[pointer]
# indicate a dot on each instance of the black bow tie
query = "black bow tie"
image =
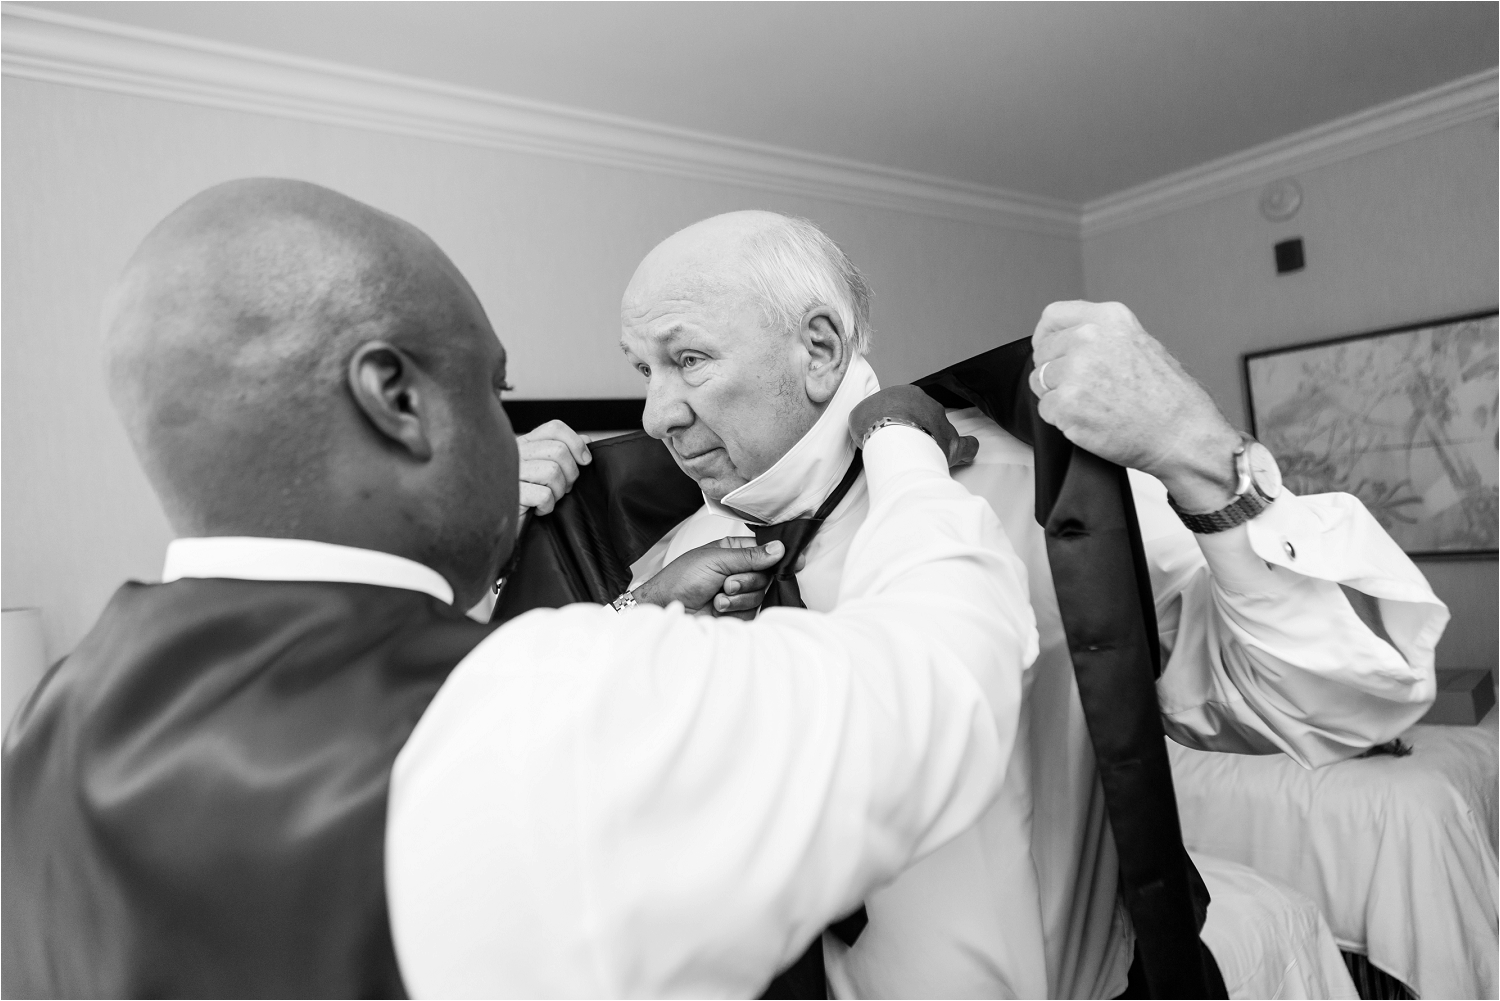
(796, 535)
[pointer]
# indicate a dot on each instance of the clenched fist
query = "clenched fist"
(910, 405)
(1112, 389)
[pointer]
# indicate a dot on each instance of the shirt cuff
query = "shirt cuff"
(896, 449)
(1324, 537)
(1235, 563)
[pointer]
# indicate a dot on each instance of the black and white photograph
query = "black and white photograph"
(686, 499)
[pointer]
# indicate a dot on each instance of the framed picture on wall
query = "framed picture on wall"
(1404, 419)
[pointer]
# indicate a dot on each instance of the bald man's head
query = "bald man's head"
(292, 363)
(744, 325)
(779, 264)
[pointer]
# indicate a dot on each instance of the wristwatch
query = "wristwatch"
(887, 422)
(1257, 484)
(624, 601)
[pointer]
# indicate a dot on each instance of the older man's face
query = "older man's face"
(725, 394)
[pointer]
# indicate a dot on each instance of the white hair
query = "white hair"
(793, 266)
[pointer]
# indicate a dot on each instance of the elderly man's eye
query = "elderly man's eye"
(688, 361)
(644, 369)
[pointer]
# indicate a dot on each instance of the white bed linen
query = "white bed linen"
(1399, 853)
(1269, 940)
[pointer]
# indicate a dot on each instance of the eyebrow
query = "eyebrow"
(667, 337)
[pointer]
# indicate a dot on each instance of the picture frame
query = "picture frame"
(1403, 417)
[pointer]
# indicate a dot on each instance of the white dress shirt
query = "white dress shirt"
(654, 804)
(1263, 652)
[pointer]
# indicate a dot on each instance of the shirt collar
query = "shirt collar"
(808, 472)
(250, 558)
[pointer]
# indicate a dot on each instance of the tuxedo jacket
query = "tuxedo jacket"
(633, 493)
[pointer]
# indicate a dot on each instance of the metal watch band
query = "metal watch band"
(624, 601)
(887, 422)
(1238, 511)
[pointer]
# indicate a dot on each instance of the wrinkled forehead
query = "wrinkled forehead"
(702, 298)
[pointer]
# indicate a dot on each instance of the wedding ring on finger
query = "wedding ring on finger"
(1041, 377)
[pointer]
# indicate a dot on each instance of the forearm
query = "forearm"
(684, 802)
(1266, 651)
(931, 553)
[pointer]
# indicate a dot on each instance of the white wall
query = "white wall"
(548, 245)
(1399, 235)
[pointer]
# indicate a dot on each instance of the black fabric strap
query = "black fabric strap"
(796, 535)
(806, 978)
(1098, 563)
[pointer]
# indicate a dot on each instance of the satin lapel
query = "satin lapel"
(1098, 564)
(623, 502)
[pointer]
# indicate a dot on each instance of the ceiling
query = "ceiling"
(1067, 100)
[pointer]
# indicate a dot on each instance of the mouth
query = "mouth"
(699, 455)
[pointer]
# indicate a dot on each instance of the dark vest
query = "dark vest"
(633, 493)
(195, 799)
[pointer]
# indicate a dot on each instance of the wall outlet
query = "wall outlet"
(1289, 256)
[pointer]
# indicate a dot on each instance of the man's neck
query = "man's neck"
(797, 483)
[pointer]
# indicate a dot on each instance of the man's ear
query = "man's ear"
(388, 387)
(822, 335)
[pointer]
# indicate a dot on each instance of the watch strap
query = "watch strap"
(887, 422)
(1238, 511)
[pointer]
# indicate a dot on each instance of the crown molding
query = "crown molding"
(84, 52)
(1463, 100)
(61, 48)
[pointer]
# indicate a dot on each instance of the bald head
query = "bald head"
(289, 362)
(778, 264)
(744, 326)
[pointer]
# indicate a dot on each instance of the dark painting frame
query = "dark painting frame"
(1403, 417)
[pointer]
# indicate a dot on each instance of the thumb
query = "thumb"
(745, 559)
(964, 451)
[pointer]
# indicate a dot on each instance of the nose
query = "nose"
(667, 413)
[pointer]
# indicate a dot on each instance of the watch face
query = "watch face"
(1263, 469)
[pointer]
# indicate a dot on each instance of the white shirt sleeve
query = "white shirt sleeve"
(653, 804)
(1264, 647)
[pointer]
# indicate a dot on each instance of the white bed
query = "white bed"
(1398, 853)
(1270, 941)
